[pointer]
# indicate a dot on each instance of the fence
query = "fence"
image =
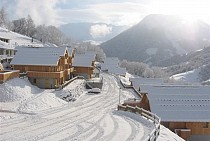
(154, 118)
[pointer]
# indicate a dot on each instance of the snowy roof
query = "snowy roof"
(45, 56)
(180, 103)
(112, 65)
(83, 60)
(117, 70)
(148, 81)
(110, 62)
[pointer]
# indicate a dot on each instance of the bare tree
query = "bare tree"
(3, 17)
(20, 26)
(205, 73)
(87, 46)
(142, 69)
(30, 26)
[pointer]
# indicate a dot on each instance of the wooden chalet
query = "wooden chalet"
(46, 67)
(84, 65)
(183, 109)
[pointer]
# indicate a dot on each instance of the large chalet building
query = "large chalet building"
(45, 67)
(183, 109)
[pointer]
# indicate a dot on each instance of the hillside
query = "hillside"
(17, 39)
(157, 38)
(91, 31)
(187, 62)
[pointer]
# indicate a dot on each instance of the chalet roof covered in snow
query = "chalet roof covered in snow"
(112, 65)
(180, 103)
(110, 62)
(145, 81)
(84, 60)
(46, 56)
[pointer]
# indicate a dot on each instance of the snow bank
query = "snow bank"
(17, 89)
(19, 95)
(167, 135)
(40, 102)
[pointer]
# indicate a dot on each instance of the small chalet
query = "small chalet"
(111, 64)
(46, 67)
(183, 109)
(137, 81)
(84, 65)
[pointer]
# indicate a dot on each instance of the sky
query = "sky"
(116, 12)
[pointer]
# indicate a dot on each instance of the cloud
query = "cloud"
(42, 11)
(56, 12)
(100, 30)
(121, 13)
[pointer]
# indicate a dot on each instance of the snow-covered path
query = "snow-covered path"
(90, 118)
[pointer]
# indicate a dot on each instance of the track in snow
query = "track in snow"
(91, 117)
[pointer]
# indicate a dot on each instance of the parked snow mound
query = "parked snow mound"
(40, 102)
(17, 89)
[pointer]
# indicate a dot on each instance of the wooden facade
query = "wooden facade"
(186, 129)
(6, 75)
(87, 72)
(48, 76)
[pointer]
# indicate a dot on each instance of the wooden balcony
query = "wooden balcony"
(6, 75)
(36, 74)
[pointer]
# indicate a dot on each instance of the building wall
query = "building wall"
(44, 83)
(196, 128)
(145, 102)
(86, 72)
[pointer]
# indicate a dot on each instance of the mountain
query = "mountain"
(193, 60)
(157, 38)
(91, 31)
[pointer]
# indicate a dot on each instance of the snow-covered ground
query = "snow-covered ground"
(188, 77)
(29, 113)
(20, 40)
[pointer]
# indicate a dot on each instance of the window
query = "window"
(34, 80)
(205, 125)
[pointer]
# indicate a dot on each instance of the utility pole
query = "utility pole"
(119, 94)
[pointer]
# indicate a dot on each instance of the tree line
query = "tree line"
(142, 69)
(26, 26)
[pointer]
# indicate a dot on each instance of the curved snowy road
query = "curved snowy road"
(90, 118)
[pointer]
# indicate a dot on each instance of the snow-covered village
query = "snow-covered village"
(104, 71)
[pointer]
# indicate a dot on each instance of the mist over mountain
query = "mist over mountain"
(157, 38)
(91, 31)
